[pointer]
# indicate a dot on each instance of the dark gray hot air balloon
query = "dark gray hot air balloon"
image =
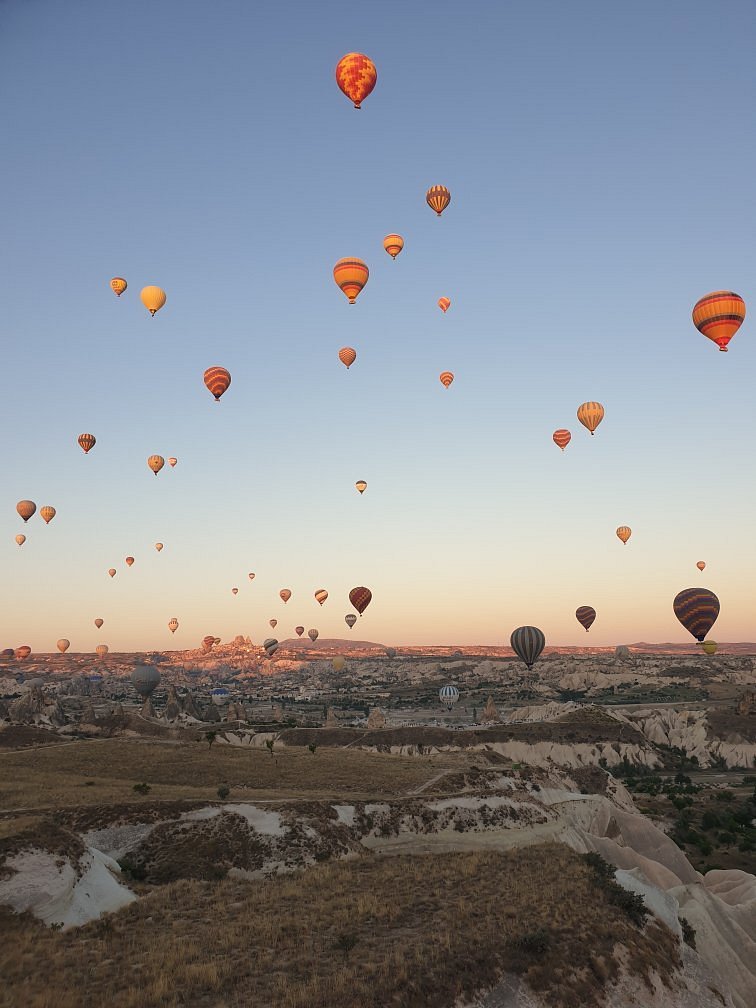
(527, 642)
(271, 646)
(145, 679)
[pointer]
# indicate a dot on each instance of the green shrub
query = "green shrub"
(142, 788)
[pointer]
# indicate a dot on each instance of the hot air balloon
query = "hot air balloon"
(710, 647)
(444, 303)
(101, 650)
(351, 275)
(448, 695)
(207, 642)
(112, 572)
(590, 415)
(285, 594)
(313, 635)
(361, 486)
(338, 663)
(350, 619)
(527, 642)
(129, 561)
(22, 652)
(321, 595)
(271, 646)
(20, 539)
(585, 615)
(562, 438)
(119, 285)
(86, 442)
(347, 356)
(697, 609)
(719, 315)
(393, 244)
(98, 622)
(624, 533)
(47, 514)
(7, 652)
(219, 695)
(446, 378)
(438, 198)
(26, 509)
(273, 623)
(63, 645)
(217, 380)
(172, 462)
(234, 591)
(153, 299)
(159, 547)
(156, 463)
(701, 564)
(299, 630)
(251, 576)
(145, 679)
(360, 599)
(173, 625)
(356, 76)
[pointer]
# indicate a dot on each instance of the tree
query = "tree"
(312, 747)
(211, 737)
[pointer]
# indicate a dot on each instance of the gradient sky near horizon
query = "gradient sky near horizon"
(600, 159)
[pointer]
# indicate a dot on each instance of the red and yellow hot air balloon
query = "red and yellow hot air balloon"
(361, 486)
(624, 533)
(217, 380)
(356, 76)
(446, 378)
(119, 285)
(444, 303)
(393, 244)
(351, 275)
(47, 514)
(153, 299)
(360, 598)
(347, 356)
(719, 315)
(86, 442)
(590, 415)
(156, 463)
(321, 595)
(701, 564)
(438, 198)
(285, 594)
(26, 509)
(562, 438)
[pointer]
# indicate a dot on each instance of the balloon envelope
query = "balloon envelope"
(26, 509)
(361, 486)
(129, 561)
(590, 415)
(585, 616)
(444, 303)
(438, 198)
(351, 275)
(47, 514)
(347, 356)
(701, 564)
(313, 635)
(393, 244)
(153, 299)
(101, 650)
(446, 378)
(350, 620)
(119, 285)
(562, 438)
(448, 695)
(22, 652)
(338, 663)
(86, 442)
(63, 645)
(285, 594)
(719, 315)
(217, 379)
(273, 623)
(527, 642)
(156, 463)
(710, 647)
(173, 625)
(697, 609)
(172, 462)
(624, 532)
(112, 572)
(356, 76)
(98, 622)
(299, 630)
(321, 595)
(145, 679)
(360, 598)
(20, 539)
(158, 547)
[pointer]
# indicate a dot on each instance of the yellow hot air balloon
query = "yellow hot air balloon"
(47, 513)
(438, 198)
(20, 539)
(338, 663)
(624, 533)
(172, 462)
(112, 572)
(285, 594)
(173, 625)
(119, 285)
(158, 546)
(156, 463)
(26, 509)
(347, 356)
(63, 645)
(361, 486)
(444, 304)
(446, 378)
(590, 415)
(86, 442)
(710, 647)
(393, 244)
(153, 299)
(351, 275)
(101, 650)
(321, 595)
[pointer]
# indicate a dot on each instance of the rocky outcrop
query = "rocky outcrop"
(376, 719)
(490, 714)
(34, 707)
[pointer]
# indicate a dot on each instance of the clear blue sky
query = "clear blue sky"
(601, 163)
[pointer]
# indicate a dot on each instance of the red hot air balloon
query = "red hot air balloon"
(217, 380)
(562, 438)
(585, 615)
(356, 76)
(360, 599)
(347, 356)
(86, 442)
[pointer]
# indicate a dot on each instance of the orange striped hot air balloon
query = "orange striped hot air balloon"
(351, 275)
(624, 533)
(321, 595)
(361, 486)
(26, 509)
(119, 285)
(562, 438)
(87, 442)
(719, 315)
(446, 378)
(438, 198)
(347, 356)
(285, 594)
(156, 463)
(590, 415)
(443, 304)
(393, 244)
(153, 299)
(47, 514)
(217, 380)
(356, 76)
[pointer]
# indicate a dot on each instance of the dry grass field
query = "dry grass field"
(372, 932)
